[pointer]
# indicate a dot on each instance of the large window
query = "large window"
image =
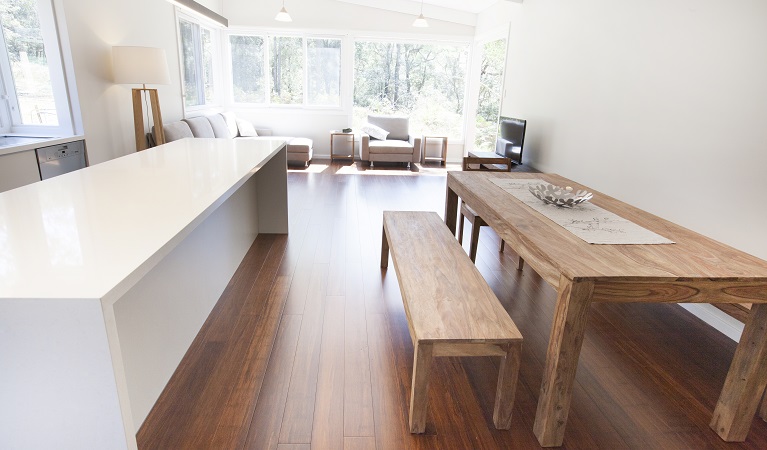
(197, 54)
(286, 61)
(248, 69)
(425, 82)
(33, 89)
(323, 85)
(286, 70)
(489, 101)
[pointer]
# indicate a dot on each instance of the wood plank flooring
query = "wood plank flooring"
(308, 347)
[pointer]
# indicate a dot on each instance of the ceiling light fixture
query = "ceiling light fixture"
(421, 22)
(283, 15)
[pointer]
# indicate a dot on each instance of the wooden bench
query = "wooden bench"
(451, 311)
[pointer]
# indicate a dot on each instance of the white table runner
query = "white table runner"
(589, 222)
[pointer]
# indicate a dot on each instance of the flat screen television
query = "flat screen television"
(511, 138)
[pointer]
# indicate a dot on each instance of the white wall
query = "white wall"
(94, 27)
(495, 18)
(662, 104)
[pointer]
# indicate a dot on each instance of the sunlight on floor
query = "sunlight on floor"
(431, 170)
(313, 168)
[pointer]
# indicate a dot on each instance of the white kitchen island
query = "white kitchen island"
(107, 275)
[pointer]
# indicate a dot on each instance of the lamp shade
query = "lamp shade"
(140, 65)
(421, 22)
(283, 16)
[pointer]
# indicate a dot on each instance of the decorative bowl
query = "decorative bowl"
(565, 197)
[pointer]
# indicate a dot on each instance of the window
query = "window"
(489, 101)
(286, 61)
(197, 54)
(301, 70)
(425, 82)
(33, 87)
(248, 69)
(323, 56)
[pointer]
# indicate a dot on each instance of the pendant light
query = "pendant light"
(421, 22)
(283, 15)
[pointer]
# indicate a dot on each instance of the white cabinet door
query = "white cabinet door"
(18, 169)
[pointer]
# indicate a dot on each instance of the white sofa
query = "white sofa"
(228, 126)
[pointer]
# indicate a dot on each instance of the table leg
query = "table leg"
(763, 407)
(745, 381)
(419, 392)
(565, 344)
(384, 248)
(451, 209)
(507, 386)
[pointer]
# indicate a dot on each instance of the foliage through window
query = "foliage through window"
(286, 70)
(197, 62)
(286, 61)
(489, 102)
(248, 69)
(425, 82)
(28, 83)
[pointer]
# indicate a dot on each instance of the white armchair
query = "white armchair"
(399, 145)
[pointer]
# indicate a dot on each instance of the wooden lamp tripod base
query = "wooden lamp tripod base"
(138, 118)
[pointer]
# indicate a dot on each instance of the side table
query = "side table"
(333, 134)
(443, 158)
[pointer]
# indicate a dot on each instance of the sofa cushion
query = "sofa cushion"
(391, 146)
(246, 128)
(300, 145)
(374, 131)
(176, 130)
(200, 127)
(218, 124)
(397, 127)
(231, 123)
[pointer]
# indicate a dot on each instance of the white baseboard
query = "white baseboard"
(717, 318)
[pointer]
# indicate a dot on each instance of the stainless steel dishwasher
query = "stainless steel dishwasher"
(60, 159)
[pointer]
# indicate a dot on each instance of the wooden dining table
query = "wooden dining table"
(694, 269)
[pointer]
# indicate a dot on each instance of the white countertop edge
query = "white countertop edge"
(131, 279)
(44, 143)
(112, 294)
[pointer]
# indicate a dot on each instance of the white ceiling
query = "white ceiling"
(456, 11)
(470, 6)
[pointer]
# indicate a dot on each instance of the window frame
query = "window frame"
(200, 24)
(266, 34)
(10, 116)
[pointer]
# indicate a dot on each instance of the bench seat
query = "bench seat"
(451, 311)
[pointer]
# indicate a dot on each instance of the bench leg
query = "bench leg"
(460, 228)
(475, 227)
(422, 360)
(384, 248)
(507, 386)
(520, 263)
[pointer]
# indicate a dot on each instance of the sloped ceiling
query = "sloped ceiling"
(457, 11)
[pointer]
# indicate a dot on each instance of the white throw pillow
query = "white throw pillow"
(375, 131)
(231, 123)
(246, 128)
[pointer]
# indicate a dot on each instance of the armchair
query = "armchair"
(399, 145)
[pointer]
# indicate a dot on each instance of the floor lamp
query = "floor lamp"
(142, 65)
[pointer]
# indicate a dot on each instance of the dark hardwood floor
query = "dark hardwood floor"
(309, 346)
